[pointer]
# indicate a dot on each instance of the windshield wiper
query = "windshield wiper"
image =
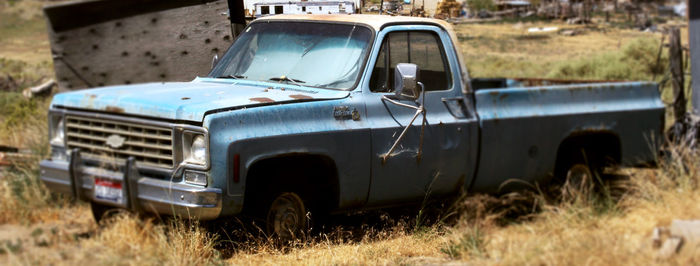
(232, 77)
(285, 78)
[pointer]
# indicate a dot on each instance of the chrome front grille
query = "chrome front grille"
(110, 140)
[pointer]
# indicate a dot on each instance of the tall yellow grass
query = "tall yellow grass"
(514, 229)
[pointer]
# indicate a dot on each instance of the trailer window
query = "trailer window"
(279, 10)
(264, 10)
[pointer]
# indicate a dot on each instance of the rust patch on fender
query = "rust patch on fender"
(114, 109)
(300, 96)
(262, 100)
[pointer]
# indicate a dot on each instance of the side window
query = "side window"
(279, 10)
(422, 48)
(264, 10)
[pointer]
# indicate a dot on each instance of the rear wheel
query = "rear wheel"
(579, 181)
(287, 217)
(579, 173)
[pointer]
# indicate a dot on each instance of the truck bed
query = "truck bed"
(522, 127)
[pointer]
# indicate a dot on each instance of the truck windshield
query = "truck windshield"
(303, 53)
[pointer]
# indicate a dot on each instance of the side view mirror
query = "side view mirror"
(214, 60)
(407, 87)
(406, 81)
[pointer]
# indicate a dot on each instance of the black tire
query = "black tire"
(287, 218)
(579, 175)
(102, 212)
(579, 182)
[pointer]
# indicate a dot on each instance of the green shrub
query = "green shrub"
(637, 61)
(18, 111)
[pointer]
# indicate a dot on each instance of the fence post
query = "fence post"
(694, 39)
(677, 74)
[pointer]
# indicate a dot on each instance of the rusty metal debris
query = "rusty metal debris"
(10, 156)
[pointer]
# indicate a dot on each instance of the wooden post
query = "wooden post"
(694, 39)
(677, 74)
(237, 16)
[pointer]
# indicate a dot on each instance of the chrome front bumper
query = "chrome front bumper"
(142, 194)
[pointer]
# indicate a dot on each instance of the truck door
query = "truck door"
(442, 166)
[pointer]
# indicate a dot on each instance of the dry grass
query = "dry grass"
(526, 228)
(508, 50)
(609, 231)
(20, 22)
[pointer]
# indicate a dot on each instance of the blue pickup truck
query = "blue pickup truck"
(335, 113)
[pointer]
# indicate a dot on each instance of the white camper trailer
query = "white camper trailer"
(304, 7)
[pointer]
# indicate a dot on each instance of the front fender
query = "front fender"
(265, 132)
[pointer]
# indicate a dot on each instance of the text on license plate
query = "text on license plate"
(110, 190)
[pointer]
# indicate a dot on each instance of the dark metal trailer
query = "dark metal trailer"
(108, 42)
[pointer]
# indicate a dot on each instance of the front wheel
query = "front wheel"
(286, 217)
(101, 212)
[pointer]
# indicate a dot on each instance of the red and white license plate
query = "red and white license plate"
(109, 190)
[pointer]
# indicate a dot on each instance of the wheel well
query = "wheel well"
(313, 177)
(601, 149)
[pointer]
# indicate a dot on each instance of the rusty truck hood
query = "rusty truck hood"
(189, 101)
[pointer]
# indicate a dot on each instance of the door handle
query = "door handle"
(457, 107)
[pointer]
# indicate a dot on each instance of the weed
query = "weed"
(12, 247)
(471, 242)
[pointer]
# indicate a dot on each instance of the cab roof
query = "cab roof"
(377, 22)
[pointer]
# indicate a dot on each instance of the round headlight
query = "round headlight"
(198, 152)
(58, 134)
